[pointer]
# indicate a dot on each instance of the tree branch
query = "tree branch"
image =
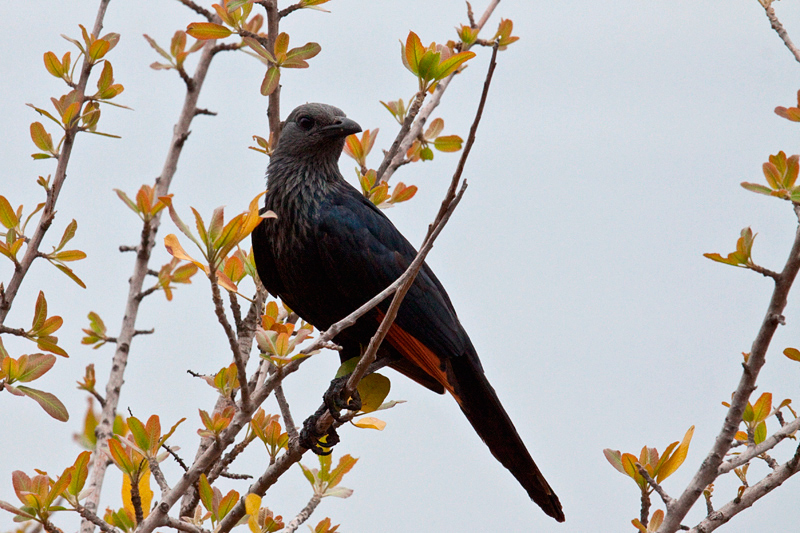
(778, 27)
(433, 102)
(149, 230)
(303, 515)
(48, 212)
(754, 451)
(709, 468)
(750, 495)
(219, 308)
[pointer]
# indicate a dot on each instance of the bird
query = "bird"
(330, 250)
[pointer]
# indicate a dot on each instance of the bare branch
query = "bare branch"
(709, 468)
(767, 273)
(19, 332)
(286, 10)
(427, 109)
(394, 150)
(288, 421)
(778, 27)
(750, 495)
(666, 498)
(754, 451)
(180, 525)
(198, 9)
(176, 457)
(158, 475)
(96, 520)
(219, 308)
(120, 360)
(274, 107)
(48, 212)
(303, 515)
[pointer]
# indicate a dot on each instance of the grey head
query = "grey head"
(314, 131)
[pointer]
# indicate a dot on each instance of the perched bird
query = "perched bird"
(330, 250)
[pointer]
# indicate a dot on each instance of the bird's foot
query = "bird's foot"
(311, 438)
(320, 442)
(335, 401)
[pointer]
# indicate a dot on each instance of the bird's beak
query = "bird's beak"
(342, 127)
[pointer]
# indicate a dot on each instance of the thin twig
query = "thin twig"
(48, 212)
(666, 498)
(181, 525)
(433, 102)
(778, 27)
(176, 457)
(219, 308)
(754, 451)
(96, 520)
(158, 475)
(303, 515)
(198, 9)
(120, 360)
(288, 421)
(709, 468)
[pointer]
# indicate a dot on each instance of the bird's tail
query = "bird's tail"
(483, 409)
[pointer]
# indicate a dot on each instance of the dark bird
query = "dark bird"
(330, 250)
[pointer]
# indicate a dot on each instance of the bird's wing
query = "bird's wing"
(362, 253)
(265, 261)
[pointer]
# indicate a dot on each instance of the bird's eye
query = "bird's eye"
(305, 122)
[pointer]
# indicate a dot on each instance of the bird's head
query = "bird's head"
(315, 131)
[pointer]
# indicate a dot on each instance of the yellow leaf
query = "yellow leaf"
(369, 422)
(145, 493)
(252, 503)
(677, 458)
(176, 250)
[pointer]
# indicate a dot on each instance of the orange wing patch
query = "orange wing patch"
(419, 354)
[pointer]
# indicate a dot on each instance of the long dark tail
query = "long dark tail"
(483, 409)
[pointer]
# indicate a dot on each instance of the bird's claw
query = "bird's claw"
(312, 439)
(310, 436)
(335, 401)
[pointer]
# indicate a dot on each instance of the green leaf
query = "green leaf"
(40, 313)
(669, 466)
(755, 187)
(8, 217)
(53, 65)
(615, 458)
(450, 65)
(346, 368)
(68, 271)
(448, 143)
(206, 493)
(34, 366)
(760, 433)
(373, 389)
(69, 233)
(48, 402)
(271, 80)
(207, 30)
(40, 137)
(157, 48)
(763, 407)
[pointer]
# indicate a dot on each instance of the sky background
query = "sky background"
(608, 161)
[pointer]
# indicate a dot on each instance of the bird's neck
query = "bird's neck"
(291, 173)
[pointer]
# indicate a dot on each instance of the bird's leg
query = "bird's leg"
(311, 437)
(333, 402)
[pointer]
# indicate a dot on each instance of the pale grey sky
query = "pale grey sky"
(608, 161)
